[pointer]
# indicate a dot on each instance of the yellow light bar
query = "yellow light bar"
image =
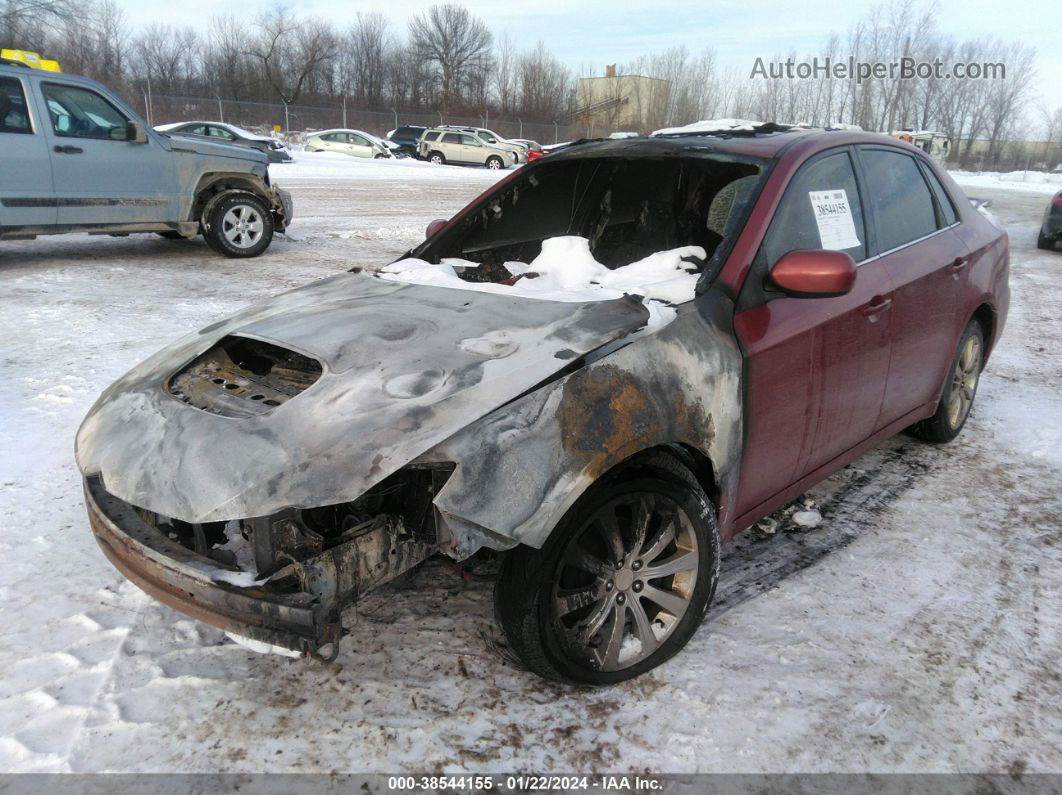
(30, 59)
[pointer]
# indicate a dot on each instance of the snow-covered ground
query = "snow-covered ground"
(916, 628)
(1039, 182)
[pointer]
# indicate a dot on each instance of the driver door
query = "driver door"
(100, 177)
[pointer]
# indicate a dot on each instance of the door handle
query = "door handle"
(877, 305)
(68, 150)
(958, 264)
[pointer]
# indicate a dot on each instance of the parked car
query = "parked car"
(275, 150)
(442, 145)
(406, 138)
(493, 139)
(75, 158)
(1051, 228)
(601, 369)
(534, 149)
(350, 142)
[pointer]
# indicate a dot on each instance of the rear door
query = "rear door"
(816, 367)
(99, 176)
(927, 263)
(27, 196)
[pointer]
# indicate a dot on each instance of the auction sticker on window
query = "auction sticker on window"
(834, 219)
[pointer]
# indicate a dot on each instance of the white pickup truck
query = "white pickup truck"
(75, 158)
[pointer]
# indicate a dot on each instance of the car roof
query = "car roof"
(343, 129)
(767, 141)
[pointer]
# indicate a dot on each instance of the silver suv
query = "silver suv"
(75, 158)
(447, 145)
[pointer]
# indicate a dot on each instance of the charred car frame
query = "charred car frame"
(264, 473)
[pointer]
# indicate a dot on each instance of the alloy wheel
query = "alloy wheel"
(624, 581)
(964, 382)
(242, 226)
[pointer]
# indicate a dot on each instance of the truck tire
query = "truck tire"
(239, 225)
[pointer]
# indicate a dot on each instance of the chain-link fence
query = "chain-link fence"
(296, 119)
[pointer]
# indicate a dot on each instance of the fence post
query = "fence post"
(395, 111)
(521, 122)
(556, 135)
(147, 102)
(287, 126)
(440, 117)
(344, 112)
(221, 112)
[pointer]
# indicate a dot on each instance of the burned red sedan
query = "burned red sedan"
(616, 359)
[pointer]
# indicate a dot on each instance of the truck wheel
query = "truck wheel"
(1045, 242)
(959, 391)
(494, 163)
(621, 585)
(240, 225)
(437, 158)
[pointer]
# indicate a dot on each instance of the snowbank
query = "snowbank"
(565, 270)
(1025, 181)
(333, 165)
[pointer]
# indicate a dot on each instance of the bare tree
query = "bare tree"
(292, 52)
(449, 37)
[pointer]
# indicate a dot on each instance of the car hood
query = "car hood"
(180, 143)
(404, 367)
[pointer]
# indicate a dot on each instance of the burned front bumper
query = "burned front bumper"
(298, 608)
(181, 579)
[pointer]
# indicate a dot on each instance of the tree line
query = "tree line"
(447, 60)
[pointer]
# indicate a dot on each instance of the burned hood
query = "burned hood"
(382, 372)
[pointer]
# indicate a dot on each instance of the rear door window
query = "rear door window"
(903, 206)
(14, 118)
(821, 209)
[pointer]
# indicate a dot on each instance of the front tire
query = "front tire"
(957, 399)
(239, 226)
(494, 163)
(622, 584)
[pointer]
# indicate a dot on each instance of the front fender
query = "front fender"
(520, 468)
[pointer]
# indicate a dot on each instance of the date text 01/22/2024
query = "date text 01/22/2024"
(524, 783)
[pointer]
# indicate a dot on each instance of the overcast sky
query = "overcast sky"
(598, 32)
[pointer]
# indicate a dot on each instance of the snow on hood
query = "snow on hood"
(566, 271)
(712, 125)
(405, 367)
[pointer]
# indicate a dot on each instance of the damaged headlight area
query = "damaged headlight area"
(283, 579)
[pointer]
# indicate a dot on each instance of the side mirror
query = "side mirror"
(492, 140)
(814, 274)
(435, 227)
(135, 133)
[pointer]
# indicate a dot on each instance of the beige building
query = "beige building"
(621, 102)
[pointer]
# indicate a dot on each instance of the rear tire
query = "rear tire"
(437, 158)
(584, 609)
(379, 156)
(240, 225)
(956, 401)
(1044, 242)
